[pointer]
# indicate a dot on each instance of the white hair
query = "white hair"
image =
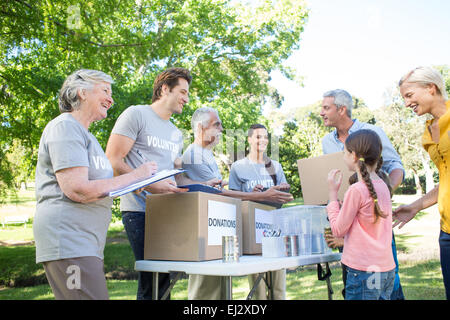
(202, 116)
(426, 76)
(341, 99)
(80, 79)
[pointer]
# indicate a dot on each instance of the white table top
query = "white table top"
(247, 265)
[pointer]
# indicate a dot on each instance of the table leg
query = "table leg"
(328, 279)
(228, 288)
(325, 276)
(269, 282)
(155, 286)
(172, 284)
(255, 285)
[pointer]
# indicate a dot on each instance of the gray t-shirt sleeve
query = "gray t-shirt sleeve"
(197, 172)
(67, 146)
(128, 124)
(281, 178)
(200, 164)
(234, 183)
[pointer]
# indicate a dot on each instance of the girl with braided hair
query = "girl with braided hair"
(364, 220)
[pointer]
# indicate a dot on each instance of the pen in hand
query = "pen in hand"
(145, 160)
(141, 155)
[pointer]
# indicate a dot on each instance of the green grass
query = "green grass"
(420, 281)
(295, 202)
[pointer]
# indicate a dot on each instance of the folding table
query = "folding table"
(248, 264)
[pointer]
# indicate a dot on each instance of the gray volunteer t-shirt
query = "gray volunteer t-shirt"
(155, 140)
(200, 164)
(64, 228)
(246, 174)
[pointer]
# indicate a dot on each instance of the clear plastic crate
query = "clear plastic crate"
(308, 223)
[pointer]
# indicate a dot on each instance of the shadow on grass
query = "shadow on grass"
(401, 241)
(18, 267)
(422, 281)
(20, 197)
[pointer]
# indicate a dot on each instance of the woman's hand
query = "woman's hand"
(258, 188)
(334, 183)
(274, 195)
(215, 182)
(284, 186)
(403, 214)
(165, 186)
(334, 242)
(145, 170)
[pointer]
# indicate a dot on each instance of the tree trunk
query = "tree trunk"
(429, 182)
(419, 190)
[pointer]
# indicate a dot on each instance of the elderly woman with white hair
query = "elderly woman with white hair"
(424, 91)
(73, 179)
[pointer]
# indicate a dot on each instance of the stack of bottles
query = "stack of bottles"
(298, 230)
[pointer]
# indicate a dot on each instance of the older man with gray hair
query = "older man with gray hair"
(336, 112)
(200, 165)
(198, 158)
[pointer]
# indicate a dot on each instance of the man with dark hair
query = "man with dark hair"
(145, 133)
(169, 78)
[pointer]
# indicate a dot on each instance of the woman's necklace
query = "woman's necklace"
(256, 168)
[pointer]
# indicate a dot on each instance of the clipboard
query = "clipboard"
(161, 175)
(200, 187)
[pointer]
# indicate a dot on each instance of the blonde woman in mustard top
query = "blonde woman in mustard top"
(424, 92)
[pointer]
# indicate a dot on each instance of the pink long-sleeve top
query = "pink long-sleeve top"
(367, 245)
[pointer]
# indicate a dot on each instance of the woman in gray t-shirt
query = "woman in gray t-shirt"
(73, 179)
(257, 172)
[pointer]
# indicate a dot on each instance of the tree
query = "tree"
(229, 47)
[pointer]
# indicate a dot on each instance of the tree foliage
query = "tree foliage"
(230, 48)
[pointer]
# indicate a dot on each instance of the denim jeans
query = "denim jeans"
(444, 246)
(362, 285)
(397, 291)
(134, 223)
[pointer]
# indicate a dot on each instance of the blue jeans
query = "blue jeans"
(134, 223)
(444, 246)
(362, 285)
(397, 291)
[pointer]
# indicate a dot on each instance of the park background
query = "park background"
(255, 61)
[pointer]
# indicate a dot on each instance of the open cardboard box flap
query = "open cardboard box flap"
(314, 174)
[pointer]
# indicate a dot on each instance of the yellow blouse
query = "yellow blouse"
(440, 155)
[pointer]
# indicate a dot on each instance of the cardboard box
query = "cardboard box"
(255, 218)
(314, 175)
(189, 226)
